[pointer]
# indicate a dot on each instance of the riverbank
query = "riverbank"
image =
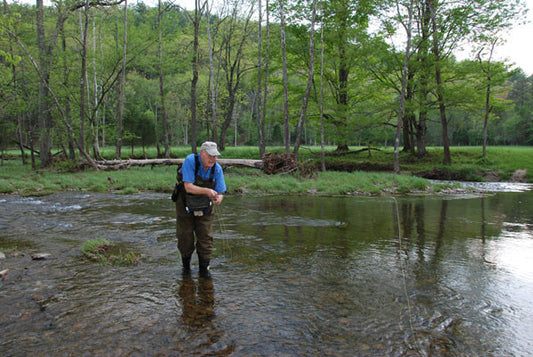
(358, 172)
(24, 181)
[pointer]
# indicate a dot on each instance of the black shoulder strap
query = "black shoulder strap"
(197, 166)
(212, 176)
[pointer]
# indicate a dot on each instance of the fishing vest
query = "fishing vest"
(181, 203)
(198, 181)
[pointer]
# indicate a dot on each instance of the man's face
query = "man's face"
(207, 160)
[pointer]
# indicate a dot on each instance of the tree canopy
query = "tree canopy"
(183, 76)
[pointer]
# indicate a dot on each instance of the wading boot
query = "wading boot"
(204, 268)
(186, 266)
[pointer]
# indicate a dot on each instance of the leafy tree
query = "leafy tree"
(345, 25)
(234, 57)
(305, 101)
(518, 128)
(453, 21)
(405, 72)
(358, 103)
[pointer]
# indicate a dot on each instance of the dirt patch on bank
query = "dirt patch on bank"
(519, 176)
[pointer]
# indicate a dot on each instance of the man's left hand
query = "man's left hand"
(218, 199)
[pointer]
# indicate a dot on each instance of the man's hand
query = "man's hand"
(212, 194)
(218, 199)
(197, 190)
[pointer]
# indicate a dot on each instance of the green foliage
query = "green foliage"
(361, 77)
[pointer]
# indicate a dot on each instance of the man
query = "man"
(204, 185)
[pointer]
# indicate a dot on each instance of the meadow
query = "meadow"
(358, 172)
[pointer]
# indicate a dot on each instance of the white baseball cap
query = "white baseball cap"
(211, 148)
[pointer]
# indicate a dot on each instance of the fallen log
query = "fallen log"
(117, 164)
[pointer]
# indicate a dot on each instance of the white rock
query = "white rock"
(3, 273)
(40, 256)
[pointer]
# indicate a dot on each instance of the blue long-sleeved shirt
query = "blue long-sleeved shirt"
(189, 165)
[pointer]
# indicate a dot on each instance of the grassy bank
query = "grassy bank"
(500, 162)
(468, 163)
(27, 182)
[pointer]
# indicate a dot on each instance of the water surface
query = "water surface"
(306, 276)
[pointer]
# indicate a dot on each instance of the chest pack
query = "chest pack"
(179, 189)
(197, 204)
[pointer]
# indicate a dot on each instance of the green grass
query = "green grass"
(105, 252)
(465, 160)
(370, 175)
(21, 179)
(327, 183)
(469, 161)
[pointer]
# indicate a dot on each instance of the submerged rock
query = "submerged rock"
(40, 256)
(3, 274)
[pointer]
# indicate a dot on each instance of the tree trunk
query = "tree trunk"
(232, 49)
(19, 121)
(487, 113)
(66, 101)
(259, 117)
(194, 81)
(311, 74)
(94, 117)
(403, 90)
(409, 115)
(83, 72)
(161, 82)
(344, 72)
(267, 51)
(212, 86)
(120, 110)
(447, 160)
(423, 92)
(286, 122)
(228, 117)
(44, 109)
(103, 102)
(117, 164)
(322, 142)
(487, 98)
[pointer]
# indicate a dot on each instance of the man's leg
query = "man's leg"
(204, 243)
(185, 235)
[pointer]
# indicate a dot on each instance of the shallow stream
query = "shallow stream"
(292, 276)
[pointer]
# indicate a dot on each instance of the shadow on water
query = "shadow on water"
(291, 276)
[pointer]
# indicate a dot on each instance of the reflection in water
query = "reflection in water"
(483, 222)
(294, 276)
(440, 234)
(197, 301)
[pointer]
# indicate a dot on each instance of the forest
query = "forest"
(78, 76)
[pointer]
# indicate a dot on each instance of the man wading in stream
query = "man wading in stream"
(201, 186)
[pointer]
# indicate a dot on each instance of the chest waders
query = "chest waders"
(190, 225)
